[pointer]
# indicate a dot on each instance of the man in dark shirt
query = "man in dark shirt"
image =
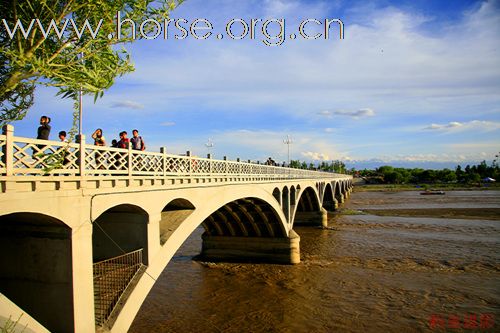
(44, 129)
(43, 133)
(124, 141)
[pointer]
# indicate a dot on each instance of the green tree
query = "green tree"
(384, 169)
(338, 166)
(447, 175)
(393, 177)
(73, 59)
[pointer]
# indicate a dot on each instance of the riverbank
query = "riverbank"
(365, 273)
(450, 213)
(437, 186)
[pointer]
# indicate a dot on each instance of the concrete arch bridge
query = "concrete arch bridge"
(82, 245)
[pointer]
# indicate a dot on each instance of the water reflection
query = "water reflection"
(365, 273)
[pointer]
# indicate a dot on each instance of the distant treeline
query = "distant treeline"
(470, 174)
(333, 166)
(391, 175)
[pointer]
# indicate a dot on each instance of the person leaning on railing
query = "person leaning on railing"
(137, 141)
(64, 150)
(99, 140)
(123, 143)
(43, 133)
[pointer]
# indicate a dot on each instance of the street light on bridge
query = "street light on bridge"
(209, 144)
(288, 141)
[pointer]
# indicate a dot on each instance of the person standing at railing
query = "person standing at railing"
(270, 161)
(62, 136)
(44, 129)
(99, 141)
(42, 134)
(137, 141)
(124, 141)
(98, 138)
(64, 150)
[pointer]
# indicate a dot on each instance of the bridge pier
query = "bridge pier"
(83, 282)
(252, 249)
(319, 218)
(341, 199)
(335, 204)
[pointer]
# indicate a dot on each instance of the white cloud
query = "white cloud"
(167, 123)
(399, 63)
(356, 114)
(417, 73)
(367, 112)
(127, 105)
(315, 156)
(476, 125)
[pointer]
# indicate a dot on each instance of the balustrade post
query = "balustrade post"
(188, 154)
(129, 159)
(226, 166)
(209, 156)
(8, 150)
(81, 155)
(163, 151)
(239, 165)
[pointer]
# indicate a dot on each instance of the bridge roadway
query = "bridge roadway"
(82, 244)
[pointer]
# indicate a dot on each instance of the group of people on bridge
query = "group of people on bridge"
(136, 140)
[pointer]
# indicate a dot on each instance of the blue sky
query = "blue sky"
(414, 83)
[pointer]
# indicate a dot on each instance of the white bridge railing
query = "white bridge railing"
(30, 157)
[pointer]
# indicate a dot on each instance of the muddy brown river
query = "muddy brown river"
(372, 271)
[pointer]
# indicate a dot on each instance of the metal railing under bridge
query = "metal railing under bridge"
(111, 279)
(21, 156)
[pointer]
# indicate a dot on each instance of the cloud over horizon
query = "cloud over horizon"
(366, 112)
(477, 125)
(399, 70)
(127, 105)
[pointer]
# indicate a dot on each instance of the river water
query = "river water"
(365, 273)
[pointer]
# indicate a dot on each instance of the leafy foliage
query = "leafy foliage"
(470, 174)
(71, 61)
(333, 166)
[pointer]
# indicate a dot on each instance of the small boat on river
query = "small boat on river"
(432, 192)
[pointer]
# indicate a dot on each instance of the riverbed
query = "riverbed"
(398, 261)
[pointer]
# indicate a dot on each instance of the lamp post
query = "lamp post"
(72, 43)
(80, 105)
(209, 144)
(288, 141)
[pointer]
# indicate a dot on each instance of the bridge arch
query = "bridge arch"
(308, 207)
(118, 230)
(172, 215)
(277, 195)
(328, 200)
(285, 202)
(249, 217)
(338, 192)
(293, 196)
(220, 198)
(36, 261)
